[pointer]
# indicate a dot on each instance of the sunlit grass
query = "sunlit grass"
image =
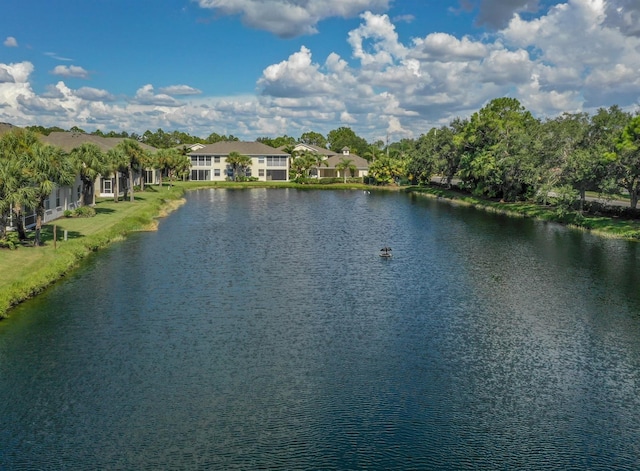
(28, 270)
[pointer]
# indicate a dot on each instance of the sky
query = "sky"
(388, 69)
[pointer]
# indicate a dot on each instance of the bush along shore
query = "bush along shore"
(28, 270)
(613, 222)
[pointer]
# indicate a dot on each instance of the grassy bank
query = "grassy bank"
(29, 270)
(601, 225)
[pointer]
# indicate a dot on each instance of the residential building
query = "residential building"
(332, 159)
(267, 163)
(105, 184)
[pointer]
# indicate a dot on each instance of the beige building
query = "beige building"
(267, 163)
(333, 159)
(105, 184)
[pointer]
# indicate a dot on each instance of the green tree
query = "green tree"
(134, 157)
(303, 162)
(215, 137)
(239, 163)
(48, 168)
(345, 137)
(496, 150)
(313, 139)
(627, 160)
(278, 141)
(14, 194)
(386, 170)
(90, 162)
(345, 165)
(116, 162)
(17, 149)
(172, 163)
(423, 158)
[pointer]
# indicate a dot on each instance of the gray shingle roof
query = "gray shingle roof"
(358, 161)
(68, 141)
(312, 148)
(6, 127)
(246, 148)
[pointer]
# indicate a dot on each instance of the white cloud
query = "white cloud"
(93, 94)
(176, 90)
(290, 18)
(295, 77)
(11, 42)
(573, 57)
(386, 46)
(445, 46)
(146, 96)
(55, 56)
(70, 71)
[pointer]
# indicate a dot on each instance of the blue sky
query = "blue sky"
(271, 67)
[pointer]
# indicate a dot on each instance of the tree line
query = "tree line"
(501, 151)
(504, 152)
(31, 170)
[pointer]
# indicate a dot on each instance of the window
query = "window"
(107, 185)
(261, 172)
(276, 175)
(58, 197)
(276, 161)
(261, 159)
(47, 204)
(79, 192)
(216, 172)
(200, 175)
(216, 159)
(200, 160)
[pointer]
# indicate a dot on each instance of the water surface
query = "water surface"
(260, 329)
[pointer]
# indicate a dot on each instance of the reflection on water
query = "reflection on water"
(260, 329)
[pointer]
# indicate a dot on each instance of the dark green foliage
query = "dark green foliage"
(345, 137)
(10, 241)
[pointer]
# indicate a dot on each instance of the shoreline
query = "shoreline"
(602, 226)
(48, 264)
(45, 266)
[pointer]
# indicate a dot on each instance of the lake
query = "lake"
(260, 329)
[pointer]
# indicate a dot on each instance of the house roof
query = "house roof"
(6, 127)
(246, 148)
(68, 141)
(358, 161)
(311, 148)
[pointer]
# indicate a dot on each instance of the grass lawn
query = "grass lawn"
(28, 270)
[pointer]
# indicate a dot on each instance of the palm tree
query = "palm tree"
(90, 162)
(344, 165)
(116, 161)
(134, 157)
(239, 163)
(173, 162)
(15, 194)
(16, 151)
(48, 169)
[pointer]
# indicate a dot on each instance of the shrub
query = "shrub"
(10, 241)
(68, 213)
(84, 212)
